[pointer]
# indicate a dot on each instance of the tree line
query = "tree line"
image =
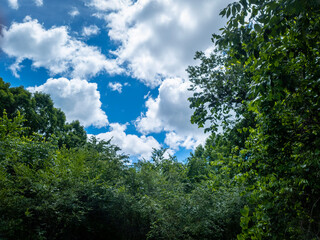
(54, 189)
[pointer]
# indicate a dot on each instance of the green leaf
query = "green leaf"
(223, 12)
(238, 6)
(240, 237)
(257, 27)
(245, 211)
(228, 12)
(234, 10)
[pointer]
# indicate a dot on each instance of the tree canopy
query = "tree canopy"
(266, 69)
(40, 114)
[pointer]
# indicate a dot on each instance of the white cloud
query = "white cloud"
(174, 141)
(38, 2)
(78, 99)
(13, 4)
(133, 145)
(74, 12)
(109, 5)
(170, 112)
(158, 38)
(157, 42)
(115, 86)
(53, 49)
(90, 30)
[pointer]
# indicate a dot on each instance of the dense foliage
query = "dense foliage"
(50, 190)
(256, 179)
(263, 81)
(91, 192)
(42, 117)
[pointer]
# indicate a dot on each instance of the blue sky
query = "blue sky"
(118, 66)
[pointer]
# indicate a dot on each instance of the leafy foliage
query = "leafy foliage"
(42, 117)
(90, 192)
(270, 50)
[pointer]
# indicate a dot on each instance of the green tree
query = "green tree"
(271, 50)
(52, 193)
(89, 192)
(41, 115)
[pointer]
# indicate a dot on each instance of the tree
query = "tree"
(52, 192)
(41, 115)
(271, 50)
(72, 135)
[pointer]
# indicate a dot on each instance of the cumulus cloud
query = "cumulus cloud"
(90, 30)
(74, 12)
(170, 112)
(157, 38)
(79, 99)
(157, 42)
(133, 145)
(53, 49)
(115, 86)
(175, 141)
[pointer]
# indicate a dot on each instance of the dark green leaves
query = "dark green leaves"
(275, 60)
(257, 27)
(41, 116)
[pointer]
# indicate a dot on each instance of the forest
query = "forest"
(258, 178)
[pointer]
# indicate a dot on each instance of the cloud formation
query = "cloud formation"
(170, 112)
(38, 2)
(78, 99)
(53, 49)
(15, 5)
(115, 86)
(74, 12)
(157, 42)
(90, 30)
(108, 5)
(157, 38)
(133, 145)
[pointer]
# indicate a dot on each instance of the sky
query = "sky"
(117, 66)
